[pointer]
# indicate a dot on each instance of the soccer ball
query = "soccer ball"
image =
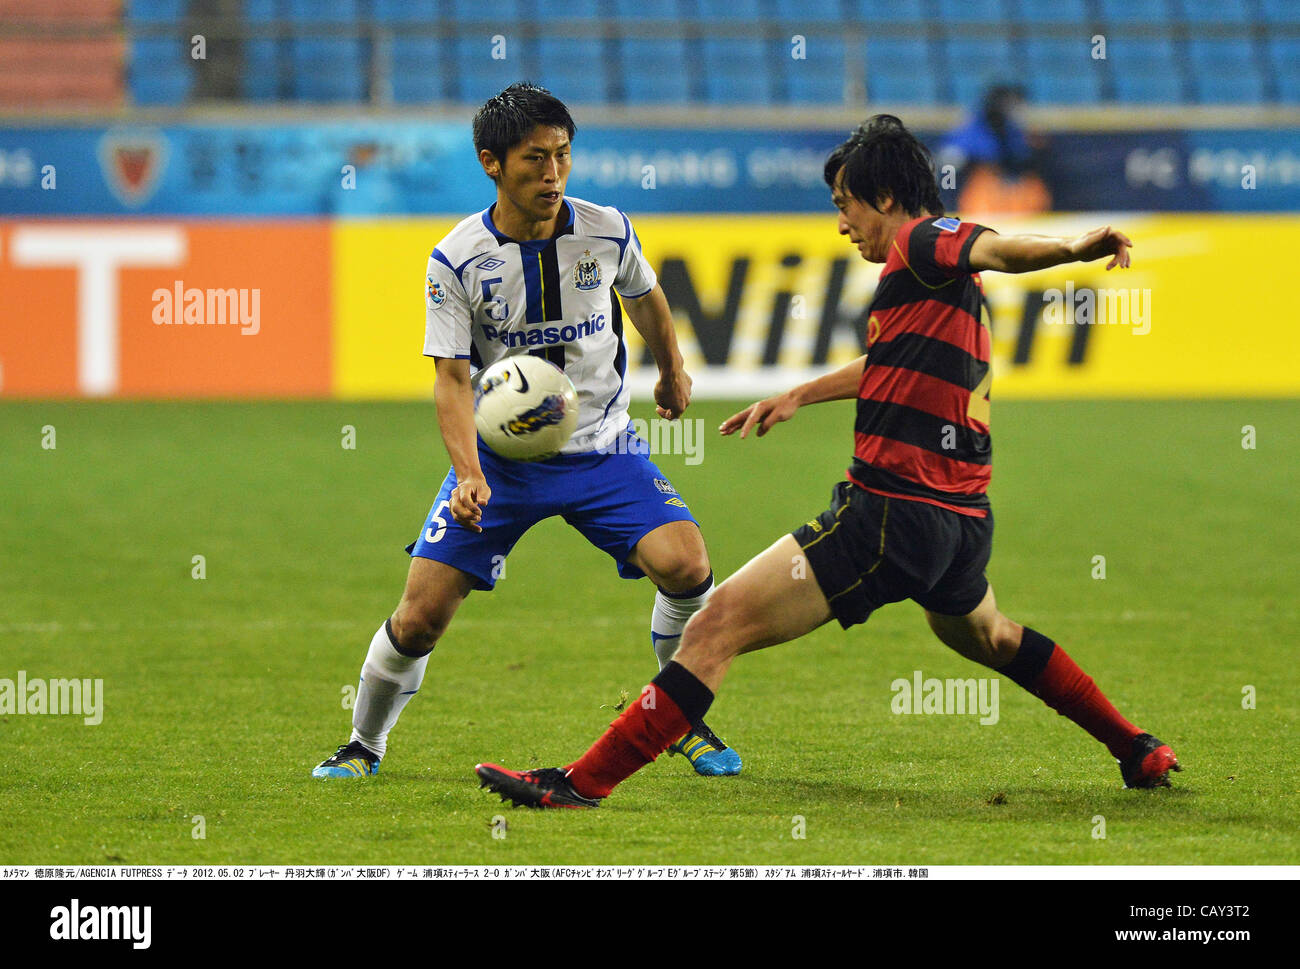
(525, 408)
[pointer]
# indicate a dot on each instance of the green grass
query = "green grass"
(222, 693)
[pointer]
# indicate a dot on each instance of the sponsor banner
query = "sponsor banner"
(200, 309)
(397, 167)
(164, 309)
(762, 303)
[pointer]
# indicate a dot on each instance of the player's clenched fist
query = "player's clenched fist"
(467, 501)
(672, 393)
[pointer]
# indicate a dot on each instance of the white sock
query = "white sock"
(669, 619)
(388, 681)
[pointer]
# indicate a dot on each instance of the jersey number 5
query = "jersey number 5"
(495, 307)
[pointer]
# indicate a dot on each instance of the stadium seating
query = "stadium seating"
(1218, 12)
(1224, 71)
(574, 68)
(1055, 12)
(1283, 58)
(968, 11)
(809, 12)
(654, 71)
(328, 69)
(477, 74)
(737, 71)
(419, 67)
(819, 77)
(720, 52)
(900, 71)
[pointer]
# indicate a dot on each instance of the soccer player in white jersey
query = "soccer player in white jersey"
(538, 273)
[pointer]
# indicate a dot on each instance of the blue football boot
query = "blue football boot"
(707, 753)
(350, 760)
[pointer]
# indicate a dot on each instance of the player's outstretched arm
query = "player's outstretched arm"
(841, 384)
(1026, 253)
(654, 321)
(454, 398)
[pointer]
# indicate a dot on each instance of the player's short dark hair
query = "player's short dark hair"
(881, 158)
(507, 118)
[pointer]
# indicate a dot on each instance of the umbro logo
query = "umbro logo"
(491, 262)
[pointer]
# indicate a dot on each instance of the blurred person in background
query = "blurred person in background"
(997, 160)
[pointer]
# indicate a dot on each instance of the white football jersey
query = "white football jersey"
(488, 296)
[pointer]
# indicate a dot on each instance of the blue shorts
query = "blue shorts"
(613, 499)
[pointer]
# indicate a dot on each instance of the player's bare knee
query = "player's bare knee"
(417, 629)
(683, 571)
(1005, 641)
(720, 627)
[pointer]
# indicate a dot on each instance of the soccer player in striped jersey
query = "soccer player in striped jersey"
(541, 274)
(912, 519)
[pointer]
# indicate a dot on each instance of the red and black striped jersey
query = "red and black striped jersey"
(922, 429)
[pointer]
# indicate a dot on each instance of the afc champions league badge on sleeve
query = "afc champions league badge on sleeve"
(433, 292)
(586, 274)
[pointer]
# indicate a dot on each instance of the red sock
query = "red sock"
(637, 737)
(1047, 671)
(642, 732)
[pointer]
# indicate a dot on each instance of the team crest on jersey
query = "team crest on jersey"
(434, 292)
(586, 274)
(665, 486)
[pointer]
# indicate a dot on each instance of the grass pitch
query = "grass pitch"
(222, 692)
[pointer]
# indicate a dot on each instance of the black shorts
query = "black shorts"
(867, 550)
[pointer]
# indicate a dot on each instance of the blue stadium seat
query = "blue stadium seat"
(262, 69)
(1218, 12)
(809, 11)
(315, 12)
(1080, 87)
(1280, 11)
(1216, 88)
(742, 11)
(819, 77)
(573, 68)
(1134, 87)
(505, 13)
(156, 11)
(327, 69)
(1221, 55)
(737, 71)
(642, 11)
(1225, 71)
(1145, 69)
(1284, 57)
(419, 64)
(478, 75)
(1061, 71)
(990, 58)
(262, 11)
(969, 11)
(900, 70)
(1129, 53)
(891, 12)
(1056, 12)
(654, 71)
(404, 11)
(1136, 12)
(160, 71)
(1059, 55)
